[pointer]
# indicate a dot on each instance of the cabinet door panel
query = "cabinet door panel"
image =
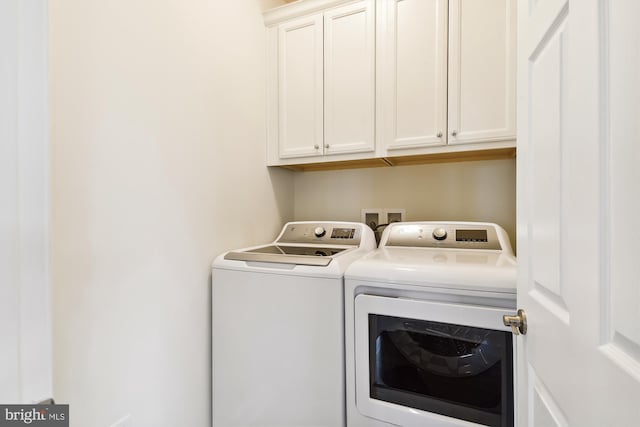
(481, 70)
(414, 72)
(300, 87)
(349, 91)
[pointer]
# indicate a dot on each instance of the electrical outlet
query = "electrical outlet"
(123, 422)
(373, 217)
(394, 215)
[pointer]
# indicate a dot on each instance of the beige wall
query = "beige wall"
(158, 153)
(466, 191)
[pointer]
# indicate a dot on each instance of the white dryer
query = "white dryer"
(425, 340)
(278, 327)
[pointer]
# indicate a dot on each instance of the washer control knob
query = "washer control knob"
(319, 231)
(440, 233)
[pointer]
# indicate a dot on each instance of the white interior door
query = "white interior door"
(578, 205)
(25, 325)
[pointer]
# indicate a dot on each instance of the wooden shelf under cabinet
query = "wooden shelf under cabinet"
(421, 159)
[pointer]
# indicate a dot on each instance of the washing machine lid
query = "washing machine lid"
(288, 254)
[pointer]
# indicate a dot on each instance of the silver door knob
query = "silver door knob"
(326, 146)
(518, 322)
(454, 132)
(439, 135)
(316, 146)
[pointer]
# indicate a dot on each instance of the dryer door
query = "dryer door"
(428, 363)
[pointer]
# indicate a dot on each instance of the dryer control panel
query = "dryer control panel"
(458, 235)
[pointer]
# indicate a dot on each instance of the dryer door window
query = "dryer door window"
(421, 362)
(453, 370)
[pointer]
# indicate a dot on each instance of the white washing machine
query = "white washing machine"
(425, 340)
(278, 327)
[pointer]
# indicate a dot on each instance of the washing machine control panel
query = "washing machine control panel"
(444, 235)
(326, 233)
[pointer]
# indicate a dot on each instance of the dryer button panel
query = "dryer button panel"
(450, 236)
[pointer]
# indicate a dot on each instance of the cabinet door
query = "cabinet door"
(349, 80)
(482, 48)
(413, 73)
(300, 87)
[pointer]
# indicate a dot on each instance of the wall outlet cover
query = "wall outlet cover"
(372, 217)
(394, 215)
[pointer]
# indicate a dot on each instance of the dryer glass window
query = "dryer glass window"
(458, 371)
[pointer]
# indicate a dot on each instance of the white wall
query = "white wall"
(158, 153)
(25, 324)
(465, 191)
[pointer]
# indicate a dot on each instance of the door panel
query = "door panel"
(481, 70)
(622, 323)
(413, 82)
(300, 87)
(542, 139)
(544, 409)
(349, 84)
(548, 96)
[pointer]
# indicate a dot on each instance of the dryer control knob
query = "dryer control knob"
(440, 233)
(319, 231)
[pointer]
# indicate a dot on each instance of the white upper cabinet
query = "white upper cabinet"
(482, 61)
(390, 81)
(447, 74)
(412, 52)
(349, 78)
(324, 66)
(300, 87)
